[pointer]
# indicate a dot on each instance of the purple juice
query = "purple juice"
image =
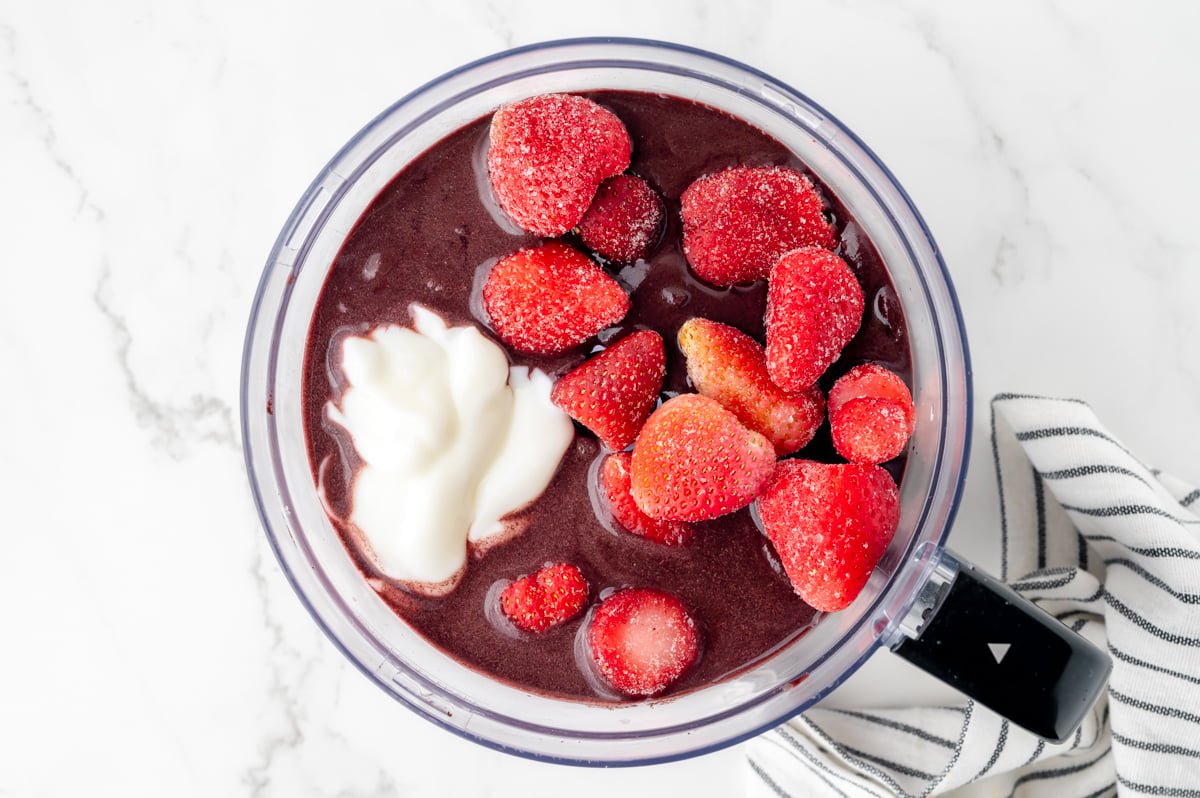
(427, 239)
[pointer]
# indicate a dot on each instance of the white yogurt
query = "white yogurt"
(452, 439)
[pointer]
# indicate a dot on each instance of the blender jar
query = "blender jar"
(923, 602)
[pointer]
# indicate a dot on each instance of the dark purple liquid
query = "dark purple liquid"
(424, 239)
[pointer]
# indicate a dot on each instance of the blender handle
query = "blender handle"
(978, 635)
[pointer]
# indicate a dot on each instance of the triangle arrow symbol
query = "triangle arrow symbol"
(999, 650)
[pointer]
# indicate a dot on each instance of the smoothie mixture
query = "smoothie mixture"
(417, 261)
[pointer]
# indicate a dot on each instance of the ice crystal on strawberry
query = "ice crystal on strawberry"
(624, 219)
(546, 598)
(694, 460)
(830, 524)
(871, 414)
(814, 308)
(643, 640)
(549, 154)
(549, 298)
(738, 222)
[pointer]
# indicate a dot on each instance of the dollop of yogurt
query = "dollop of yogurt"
(452, 441)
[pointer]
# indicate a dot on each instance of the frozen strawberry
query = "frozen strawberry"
(814, 308)
(871, 414)
(548, 156)
(694, 460)
(830, 525)
(643, 640)
(615, 484)
(613, 393)
(727, 365)
(546, 598)
(624, 219)
(549, 298)
(738, 222)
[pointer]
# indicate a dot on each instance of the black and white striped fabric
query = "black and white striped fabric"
(1108, 546)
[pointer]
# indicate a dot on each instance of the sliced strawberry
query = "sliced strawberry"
(738, 222)
(549, 298)
(615, 484)
(545, 598)
(727, 365)
(643, 640)
(624, 219)
(814, 308)
(613, 393)
(693, 460)
(871, 414)
(830, 525)
(548, 156)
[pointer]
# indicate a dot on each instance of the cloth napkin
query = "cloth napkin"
(1101, 542)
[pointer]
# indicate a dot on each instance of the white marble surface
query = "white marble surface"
(151, 151)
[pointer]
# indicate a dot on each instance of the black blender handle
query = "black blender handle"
(979, 636)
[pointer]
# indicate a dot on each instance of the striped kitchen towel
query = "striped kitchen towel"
(1109, 547)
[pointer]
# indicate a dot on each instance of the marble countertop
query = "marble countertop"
(151, 151)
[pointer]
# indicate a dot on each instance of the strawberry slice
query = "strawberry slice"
(814, 308)
(615, 484)
(546, 598)
(830, 525)
(871, 414)
(624, 219)
(693, 460)
(727, 365)
(643, 640)
(738, 222)
(549, 298)
(613, 393)
(548, 156)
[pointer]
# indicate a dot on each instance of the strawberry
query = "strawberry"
(871, 414)
(615, 483)
(549, 298)
(624, 219)
(830, 525)
(548, 156)
(546, 598)
(814, 308)
(613, 393)
(727, 365)
(693, 460)
(738, 222)
(643, 640)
